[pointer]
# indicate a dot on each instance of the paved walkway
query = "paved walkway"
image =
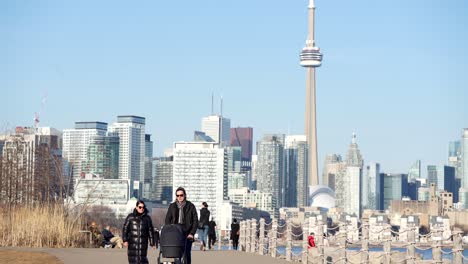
(119, 256)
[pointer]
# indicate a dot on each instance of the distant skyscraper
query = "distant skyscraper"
(218, 128)
(243, 137)
(414, 171)
(446, 181)
(201, 168)
(162, 179)
(455, 157)
(148, 179)
(333, 165)
(102, 157)
(464, 157)
(296, 171)
(432, 175)
(395, 187)
(311, 58)
(131, 131)
(371, 187)
(234, 158)
(253, 179)
(76, 143)
(270, 167)
(348, 182)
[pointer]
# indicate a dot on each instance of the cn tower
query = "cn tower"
(310, 59)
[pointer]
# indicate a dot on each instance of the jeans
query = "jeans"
(203, 234)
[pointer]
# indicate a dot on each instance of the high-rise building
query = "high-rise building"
(333, 165)
(446, 181)
(252, 181)
(218, 128)
(162, 179)
(455, 157)
(371, 187)
(395, 187)
(243, 137)
(76, 143)
(348, 182)
(296, 184)
(234, 158)
(201, 168)
(310, 59)
(414, 171)
(102, 157)
(131, 131)
(31, 166)
(432, 175)
(464, 158)
(148, 185)
(270, 167)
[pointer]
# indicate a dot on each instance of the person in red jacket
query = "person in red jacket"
(311, 240)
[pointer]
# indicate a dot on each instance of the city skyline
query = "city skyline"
(394, 72)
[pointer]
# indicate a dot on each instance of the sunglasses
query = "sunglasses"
(141, 207)
(179, 195)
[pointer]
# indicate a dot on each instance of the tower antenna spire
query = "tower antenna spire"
(212, 111)
(311, 58)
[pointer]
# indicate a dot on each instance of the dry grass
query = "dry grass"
(23, 257)
(39, 226)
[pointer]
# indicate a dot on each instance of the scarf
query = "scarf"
(181, 212)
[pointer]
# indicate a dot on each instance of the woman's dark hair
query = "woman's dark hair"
(141, 202)
(205, 204)
(183, 190)
(235, 220)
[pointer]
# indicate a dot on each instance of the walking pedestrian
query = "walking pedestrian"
(184, 212)
(203, 225)
(136, 233)
(235, 227)
(211, 233)
(311, 240)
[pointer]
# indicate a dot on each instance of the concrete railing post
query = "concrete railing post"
(437, 246)
(365, 243)
(342, 238)
(243, 233)
(305, 241)
(253, 237)
(411, 250)
(320, 242)
(247, 236)
(261, 237)
(274, 235)
(457, 247)
(288, 240)
(387, 235)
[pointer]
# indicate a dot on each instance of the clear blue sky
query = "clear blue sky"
(394, 72)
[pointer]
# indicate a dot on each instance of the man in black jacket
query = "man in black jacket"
(184, 212)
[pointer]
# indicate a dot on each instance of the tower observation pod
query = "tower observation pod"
(310, 58)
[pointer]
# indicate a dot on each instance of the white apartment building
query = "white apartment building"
(76, 142)
(201, 168)
(253, 199)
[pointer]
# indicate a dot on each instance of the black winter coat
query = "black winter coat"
(204, 216)
(137, 231)
(190, 220)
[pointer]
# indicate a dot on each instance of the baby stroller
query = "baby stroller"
(172, 245)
